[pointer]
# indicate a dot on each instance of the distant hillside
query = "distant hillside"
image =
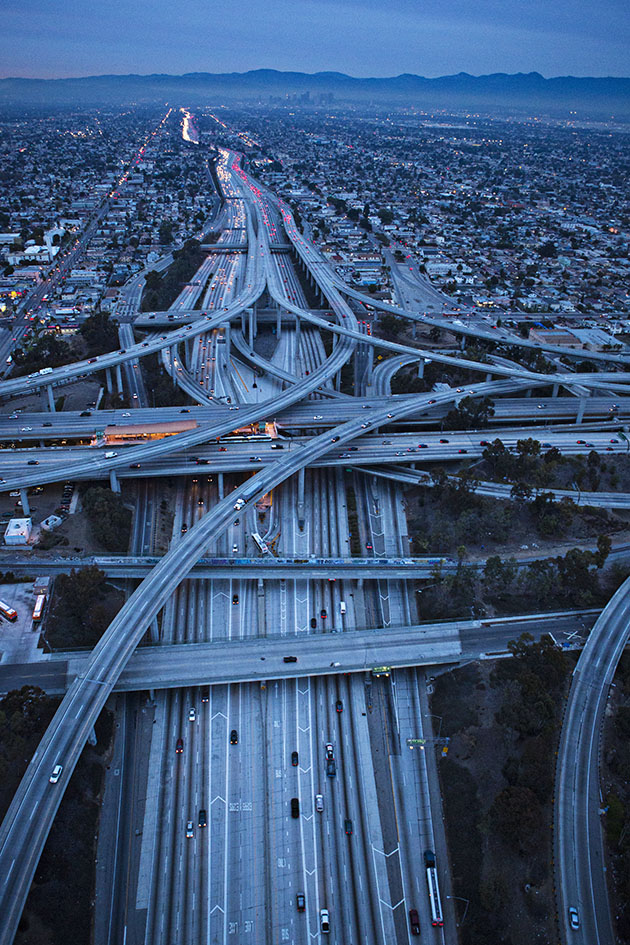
(589, 97)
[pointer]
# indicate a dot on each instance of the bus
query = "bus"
(264, 548)
(39, 607)
(434, 895)
(7, 612)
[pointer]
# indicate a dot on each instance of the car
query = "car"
(347, 826)
(324, 921)
(92, 360)
(289, 659)
(583, 442)
(235, 598)
(319, 802)
(484, 443)
(313, 622)
(300, 902)
(574, 918)
(294, 758)
(365, 426)
(442, 440)
(234, 737)
(368, 545)
(184, 410)
(47, 423)
(33, 462)
(202, 820)
(547, 446)
(184, 528)
(614, 440)
(255, 459)
(335, 663)
(414, 922)
(126, 414)
(323, 613)
(330, 751)
(25, 429)
(205, 694)
(295, 807)
(390, 416)
(462, 451)
(223, 449)
(192, 715)
(56, 774)
(318, 416)
(339, 705)
(190, 830)
(134, 466)
(334, 439)
(199, 501)
(179, 746)
(277, 446)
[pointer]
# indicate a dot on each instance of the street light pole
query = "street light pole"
(461, 899)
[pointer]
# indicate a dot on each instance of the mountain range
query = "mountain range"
(588, 97)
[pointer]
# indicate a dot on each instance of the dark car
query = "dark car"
(295, 807)
(323, 613)
(462, 451)
(313, 622)
(334, 439)
(203, 818)
(300, 901)
(85, 413)
(233, 737)
(32, 462)
(414, 921)
(294, 758)
(339, 705)
(347, 826)
(47, 423)
(368, 545)
(134, 466)
(205, 694)
(179, 746)
(235, 598)
(290, 659)
(184, 410)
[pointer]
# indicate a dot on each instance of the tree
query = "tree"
(517, 816)
(469, 414)
(100, 332)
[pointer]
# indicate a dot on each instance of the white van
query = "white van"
(342, 606)
(110, 454)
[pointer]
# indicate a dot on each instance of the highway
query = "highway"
(579, 852)
(235, 774)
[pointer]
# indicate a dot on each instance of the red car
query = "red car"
(414, 921)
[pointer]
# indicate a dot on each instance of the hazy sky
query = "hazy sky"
(53, 38)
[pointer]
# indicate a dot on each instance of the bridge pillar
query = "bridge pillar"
(300, 501)
(92, 736)
(113, 481)
(581, 407)
(110, 383)
(554, 392)
(51, 398)
(228, 339)
(172, 352)
(119, 383)
(26, 508)
(220, 486)
(154, 631)
(278, 322)
(421, 363)
(488, 377)
(262, 623)
(462, 344)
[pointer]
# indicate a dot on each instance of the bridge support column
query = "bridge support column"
(528, 392)
(462, 344)
(154, 631)
(119, 383)
(554, 392)
(172, 351)
(488, 377)
(278, 322)
(581, 408)
(92, 737)
(220, 486)
(228, 340)
(338, 380)
(300, 501)
(51, 398)
(26, 508)
(421, 364)
(110, 383)
(262, 624)
(113, 481)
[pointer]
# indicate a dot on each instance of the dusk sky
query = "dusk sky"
(56, 38)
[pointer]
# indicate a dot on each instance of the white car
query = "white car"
(574, 918)
(192, 715)
(324, 921)
(318, 416)
(56, 774)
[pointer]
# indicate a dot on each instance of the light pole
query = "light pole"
(461, 899)
(437, 717)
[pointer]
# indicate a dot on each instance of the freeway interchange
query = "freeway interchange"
(219, 884)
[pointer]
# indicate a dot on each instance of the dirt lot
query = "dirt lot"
(74, 396)
(510, 886)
